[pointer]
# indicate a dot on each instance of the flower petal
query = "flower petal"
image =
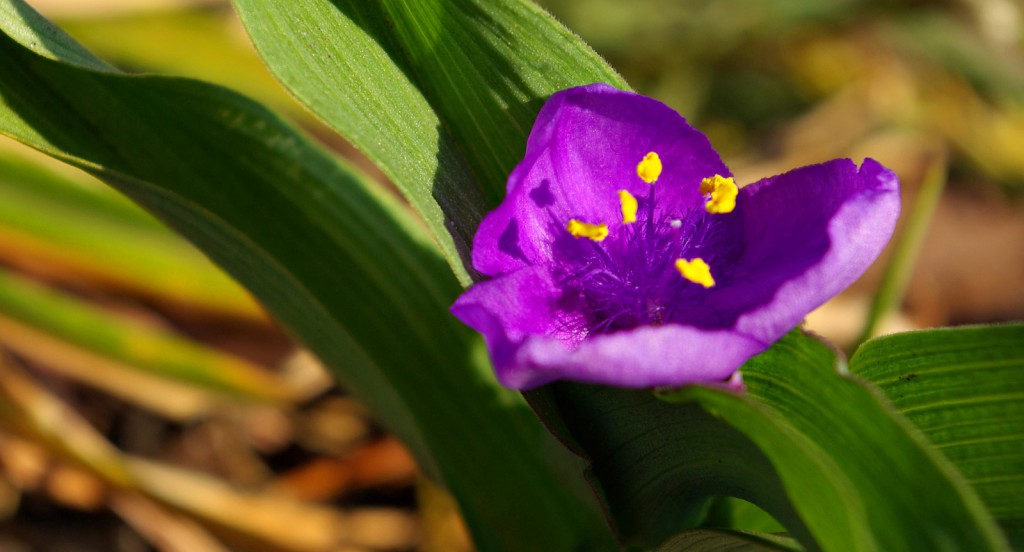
(535, 338)
(647, 356)
(583, 149)
(808, 234)
(508, 309)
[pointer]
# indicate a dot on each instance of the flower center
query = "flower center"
(655, 262)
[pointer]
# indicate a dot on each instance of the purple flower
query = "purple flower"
(624, 253)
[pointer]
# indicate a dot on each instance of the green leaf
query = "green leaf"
(740, 515)
(38, 186)
(33, 31)
(657, 465)
(857, 472)
(80, 227)
(440, 94)
(718, 540)
(964, 388)
(184, 41)
(821, 452)
(340, 263)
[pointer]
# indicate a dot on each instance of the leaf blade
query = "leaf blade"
(377, 74)
(866, 452)
(821, 452)
(339, 262)
(962, 387)
(657, 465)
(717, 540)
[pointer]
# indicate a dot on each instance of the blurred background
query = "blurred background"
(147, 403)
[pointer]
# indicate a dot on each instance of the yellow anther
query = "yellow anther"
(649, 168)
(696, 271)
(723, 193)
(595, 232)
(628, 203)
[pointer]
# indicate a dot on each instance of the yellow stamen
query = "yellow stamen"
(649, 168)
(595, 232)
(628, 203)
(723, 193)
(696, 271)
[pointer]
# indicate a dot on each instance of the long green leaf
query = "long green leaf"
(821, 452)
(657, 465)
(339, 263)
(199, 43)
(716, 540)
(441, 94)
(73, 228)
(964, 388)
(740, 515)
(859, 475)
